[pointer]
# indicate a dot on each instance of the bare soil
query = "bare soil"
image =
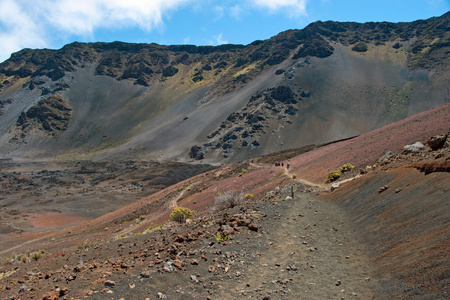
(383, 235)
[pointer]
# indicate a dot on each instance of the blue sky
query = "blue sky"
(54, 23)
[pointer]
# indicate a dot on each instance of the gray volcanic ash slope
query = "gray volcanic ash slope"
(116, 100)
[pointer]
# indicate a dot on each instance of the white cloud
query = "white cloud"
(25, 23)
(218, 40)
(219, 12)
(40, 23)
(293, 7)
(83, 16)
(17, 29)
(236, 11)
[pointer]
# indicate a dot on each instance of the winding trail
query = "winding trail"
(306, 249)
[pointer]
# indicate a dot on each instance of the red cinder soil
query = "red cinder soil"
(383, 235)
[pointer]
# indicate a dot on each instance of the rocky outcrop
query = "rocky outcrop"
(317, 47)
(197, 153)
(413, 147)
(437, 142)
(263, 110)
(51, 115)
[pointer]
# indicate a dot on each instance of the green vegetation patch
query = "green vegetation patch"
(334, 175)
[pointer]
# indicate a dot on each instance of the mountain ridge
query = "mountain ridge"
(327, 67)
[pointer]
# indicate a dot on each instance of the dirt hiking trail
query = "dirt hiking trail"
(306, 249)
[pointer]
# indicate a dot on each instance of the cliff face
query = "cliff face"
(328, 81)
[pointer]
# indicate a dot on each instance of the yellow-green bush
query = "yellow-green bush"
(243, 172)
(180, 214)
(334, 176)
(346, 167)
(36, 255)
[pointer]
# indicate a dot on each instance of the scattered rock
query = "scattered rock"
(382, 189)
(110, 283)
(253, 227)
(437, 142)
(193, 261)
(226, 229)
(413, 148)
(179, 264)
(194, 279)
(168, 266)
(385, 158)
(50, 296)
(146, 274)
(197, 153)
(335, 186)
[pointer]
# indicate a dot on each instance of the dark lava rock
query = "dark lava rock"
(283, 94)
(360, 47)
(291, 110)
(197, 153)
(53, 113)
(315, 46)
(245, 134)
(170, 71)
(437, 142)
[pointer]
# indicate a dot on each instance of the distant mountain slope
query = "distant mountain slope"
(328, 81)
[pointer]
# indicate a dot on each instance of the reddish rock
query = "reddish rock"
(252, 227)
(50, 296)
(179, 264)
(192, 261)
(437, 142)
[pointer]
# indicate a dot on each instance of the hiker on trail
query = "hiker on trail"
(288, 165)
(282, 164)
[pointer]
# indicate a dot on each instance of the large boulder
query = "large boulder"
(437, 142)
(283, 94)
(413, 147)
(197, 153)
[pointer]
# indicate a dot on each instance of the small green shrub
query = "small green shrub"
(346, 167)
(180, 214)
(334, 176)
(220, 238)
(337, 173)
(243, 172)
(36, 255)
